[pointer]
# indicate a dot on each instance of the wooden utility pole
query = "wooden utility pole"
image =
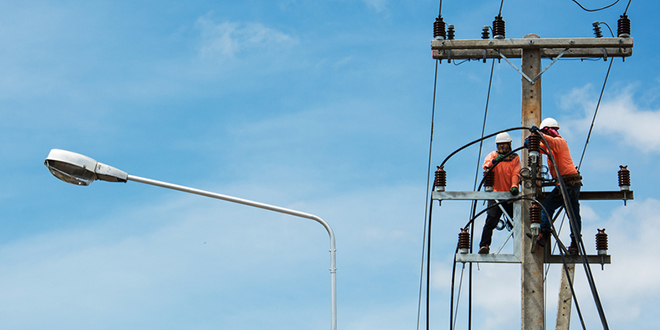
(530, 49)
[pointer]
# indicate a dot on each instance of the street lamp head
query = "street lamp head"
(79, 169)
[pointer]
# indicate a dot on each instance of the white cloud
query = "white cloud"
(620, 117)
(377, 5)
(228, 39)
(631, 281)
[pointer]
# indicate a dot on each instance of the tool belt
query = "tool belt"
(572, 178)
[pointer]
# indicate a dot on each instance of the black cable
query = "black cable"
(476, 178)
(451, 307)
(593, 120)
(626, 11)
(453, 326)
(481, 139)
(597, 9)
(562, 249)
(578, 238)
(440, 9)
(553, 231)
(500, 12)
(427, 215)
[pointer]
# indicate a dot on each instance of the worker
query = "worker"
(505, 166)
(569, 174)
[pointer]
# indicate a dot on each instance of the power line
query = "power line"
(597, 9)
(593, 120)
(427, 212)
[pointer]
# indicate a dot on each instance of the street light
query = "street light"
(81, 170)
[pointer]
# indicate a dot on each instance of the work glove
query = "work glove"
(514, 191)
(498, 159)
(527, 143)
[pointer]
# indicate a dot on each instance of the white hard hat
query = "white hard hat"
(503, 138)
(549, 122)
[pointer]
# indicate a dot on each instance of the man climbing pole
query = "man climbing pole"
(569, 174)
(506, 170)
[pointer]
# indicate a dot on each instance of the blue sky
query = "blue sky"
(319, 106)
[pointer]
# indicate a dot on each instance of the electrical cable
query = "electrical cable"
(473, 208)
(564, 194)
(481, 139)
(427, 215)
(626, 11)
(554, 233)
(597, 9)
(593, 120)
(562, 248)
(476, 178)
(578, 238)
(500, 12)
(458, 299)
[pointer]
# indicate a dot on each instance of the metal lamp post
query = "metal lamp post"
(81, 170)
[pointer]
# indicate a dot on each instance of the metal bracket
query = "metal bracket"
(532, 80)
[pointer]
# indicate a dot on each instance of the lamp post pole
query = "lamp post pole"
(81, 170)
(333, 265)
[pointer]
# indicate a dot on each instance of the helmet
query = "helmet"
(549, 122)
(503, 138)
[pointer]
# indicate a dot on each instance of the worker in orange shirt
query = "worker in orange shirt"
(571, 177)
(506, 169)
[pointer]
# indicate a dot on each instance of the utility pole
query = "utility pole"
(530, 49)
(531, 277)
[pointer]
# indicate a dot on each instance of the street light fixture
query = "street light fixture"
(81, 170)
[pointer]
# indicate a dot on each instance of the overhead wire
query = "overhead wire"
(578, 238)
(427, 211)
(597, 9)
(573, 225)
(593, 119)
(476, 178)
(473, 208)
(564, 195)
(600, 97)
(554, 232)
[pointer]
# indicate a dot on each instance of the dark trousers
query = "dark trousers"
(555, 200)
(493, 217)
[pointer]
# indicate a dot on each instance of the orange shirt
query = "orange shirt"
(507, 174)
(562, 155)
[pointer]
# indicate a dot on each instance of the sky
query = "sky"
(319, 106)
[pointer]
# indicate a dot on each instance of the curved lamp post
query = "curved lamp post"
(81, 170)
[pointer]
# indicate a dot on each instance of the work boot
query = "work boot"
(484, 250)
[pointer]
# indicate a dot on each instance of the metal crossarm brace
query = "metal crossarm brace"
(532, 80)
